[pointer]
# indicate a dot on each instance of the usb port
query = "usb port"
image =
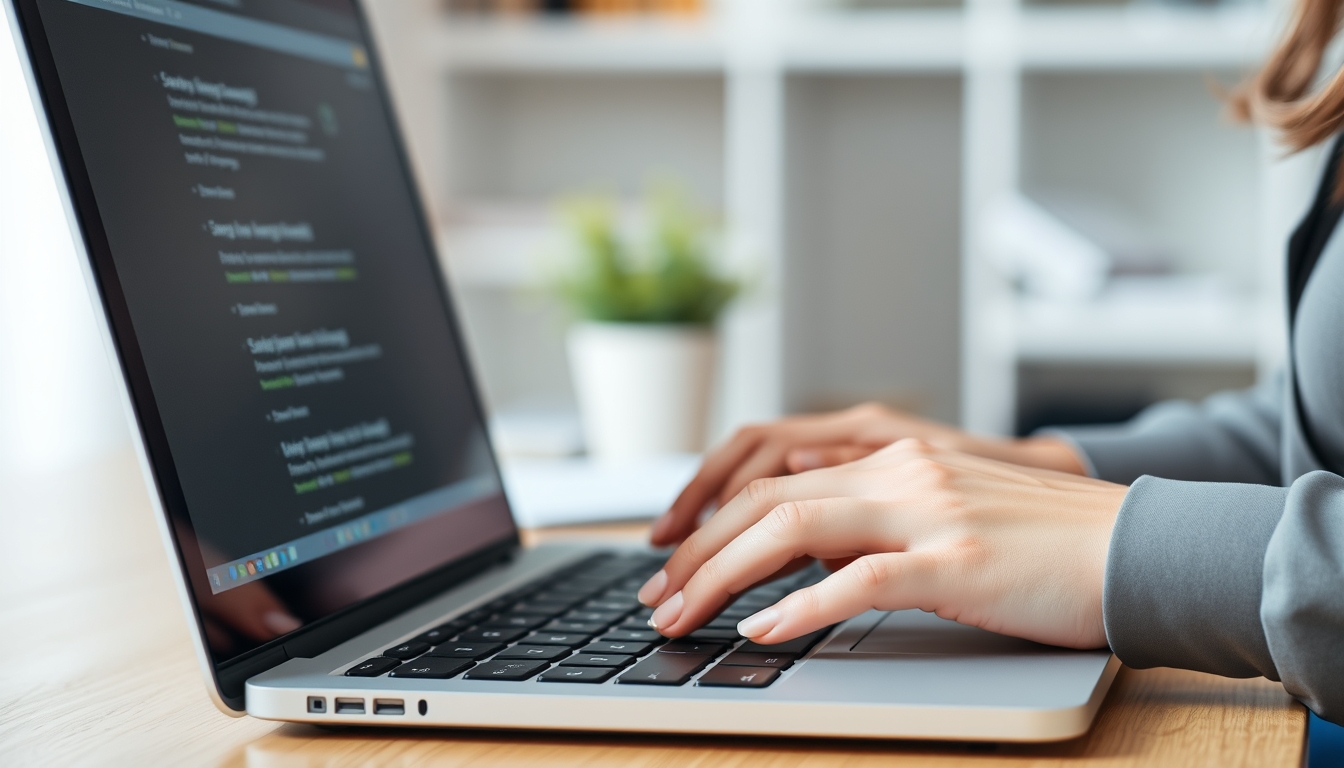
(389, 707)
(349, 706)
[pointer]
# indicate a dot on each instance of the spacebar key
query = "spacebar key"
(665, 669)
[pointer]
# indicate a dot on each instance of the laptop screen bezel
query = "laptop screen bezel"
(229, 675)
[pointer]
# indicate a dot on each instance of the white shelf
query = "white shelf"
(575, 46)
(755, 46)
(497, 244)
(921, 39)
(493, 257)
(1143, 37)
(918, 39)
(1207, 330)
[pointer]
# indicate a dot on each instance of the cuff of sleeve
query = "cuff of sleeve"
(1184, 576)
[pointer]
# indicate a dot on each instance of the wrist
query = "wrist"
(1040, 452)
(1050, 453)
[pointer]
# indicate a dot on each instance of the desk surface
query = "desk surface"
(97, 670)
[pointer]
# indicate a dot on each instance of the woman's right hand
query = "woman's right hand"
(800, 443)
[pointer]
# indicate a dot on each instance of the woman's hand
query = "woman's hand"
(1010, 549)
(802, 443)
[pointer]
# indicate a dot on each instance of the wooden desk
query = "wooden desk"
(97, 670)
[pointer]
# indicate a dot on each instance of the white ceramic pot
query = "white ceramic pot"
(643, 389)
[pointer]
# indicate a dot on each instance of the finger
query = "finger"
(807, 459)
(887, 582)
(767, 461)
(827, 528)
(730, 521)
(770, 459)
(679, 520)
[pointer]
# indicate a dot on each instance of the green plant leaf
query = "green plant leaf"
(666, 277)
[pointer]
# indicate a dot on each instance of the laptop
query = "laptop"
(306, 416)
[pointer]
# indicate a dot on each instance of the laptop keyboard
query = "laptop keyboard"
(583, 624)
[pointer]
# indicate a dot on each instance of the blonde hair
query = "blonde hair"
(1280, 95)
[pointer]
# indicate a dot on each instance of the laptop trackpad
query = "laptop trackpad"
(917, 632)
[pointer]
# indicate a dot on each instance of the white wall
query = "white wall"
(874, 242)
(58, 403)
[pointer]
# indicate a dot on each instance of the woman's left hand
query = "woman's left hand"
(1005, 548)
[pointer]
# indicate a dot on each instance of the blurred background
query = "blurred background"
(1002, 213)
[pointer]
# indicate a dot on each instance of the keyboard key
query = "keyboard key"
(722, 623)
(664, 669)
(598, 660)
(491, 635)
(798, 645)
(542, 608)
(614, 606)
(407, 651)
(557, 598)
(575, 626)
(542, 652)
(626, 649)
(506, 670)
(748, 659)
(604, 618)
(433, 668)
(637, 625)
(738, 677)
(715, 636)
(693, 648)
(475, 651)
(515, 621)
(373, 667)
(441, 634)
(633, 636)
(578, 674)
(567, 639)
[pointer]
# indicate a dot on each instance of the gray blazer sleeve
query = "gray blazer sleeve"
(1230, 437)
(1238, 580)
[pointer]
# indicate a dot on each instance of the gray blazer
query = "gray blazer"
(1228, 553)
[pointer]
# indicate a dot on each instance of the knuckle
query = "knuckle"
(689, 553)
(967, 551)
(930, 471)
(915, 446)
(872, 572)
(786, 519)
(870, 409)
(711, 575)
(762, 489)
(806, 601)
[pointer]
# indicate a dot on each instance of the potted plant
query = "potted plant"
(642, 352)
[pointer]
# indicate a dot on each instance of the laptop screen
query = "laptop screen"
(296, 369)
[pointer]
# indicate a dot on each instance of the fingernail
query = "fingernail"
(758, 624)
(653, 589)
(667, 613)
(280, 623)
(807, 460)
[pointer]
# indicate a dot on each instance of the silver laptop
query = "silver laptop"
(307, 418)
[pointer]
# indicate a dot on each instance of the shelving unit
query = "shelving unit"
(853, 154)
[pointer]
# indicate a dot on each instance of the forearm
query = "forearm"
(1230, 437)
(1237, 580)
